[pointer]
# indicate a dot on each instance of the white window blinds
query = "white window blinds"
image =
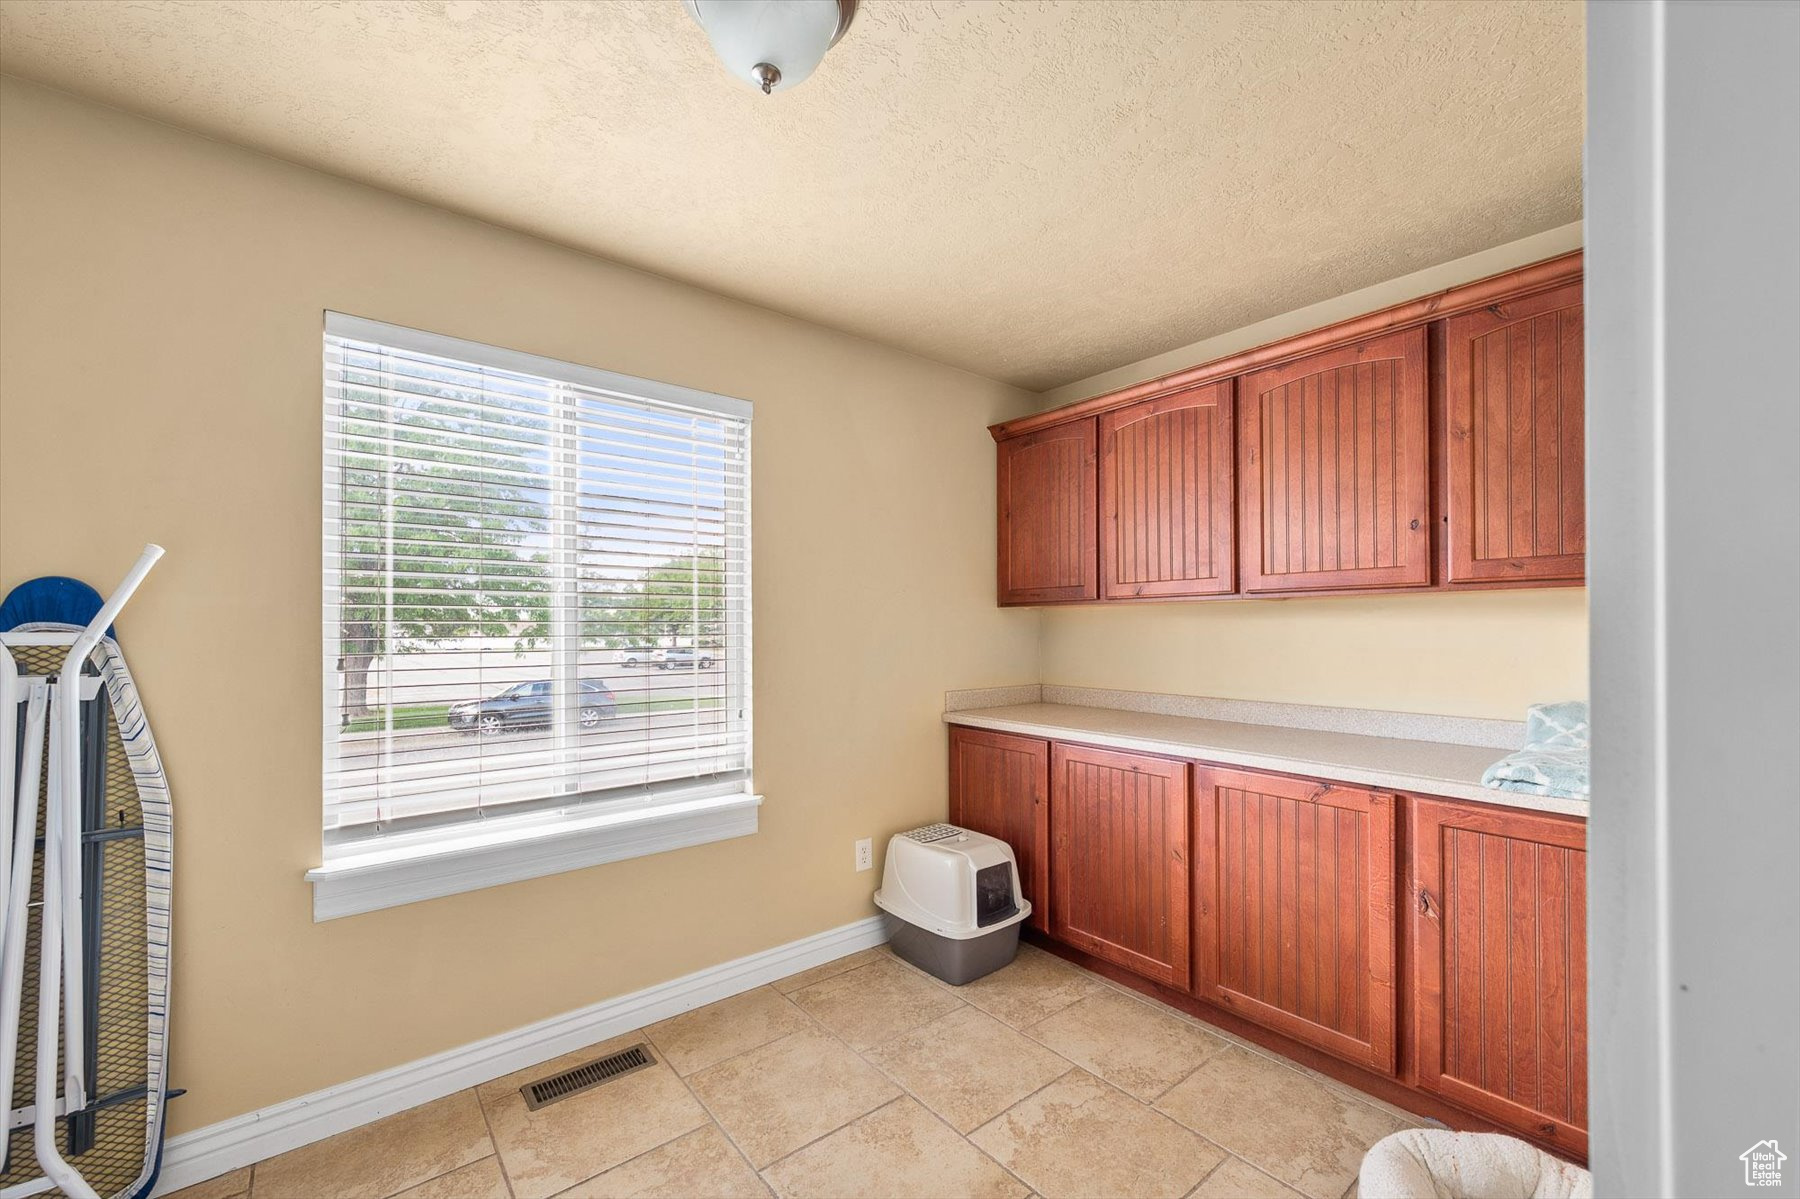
(536, 588)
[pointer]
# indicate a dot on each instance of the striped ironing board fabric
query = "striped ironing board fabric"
(115, 1142)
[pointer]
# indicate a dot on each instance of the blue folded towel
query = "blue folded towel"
(1557, 726)
(1554, 760)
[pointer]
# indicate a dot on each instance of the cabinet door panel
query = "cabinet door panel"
(1500, 965)
(1000, 785)
(1333, 469)
(1119, 859)
(1294, 908)
(1514, 447)
(1166, 520)
(1049, 515)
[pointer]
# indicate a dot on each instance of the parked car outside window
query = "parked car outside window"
(532, 703)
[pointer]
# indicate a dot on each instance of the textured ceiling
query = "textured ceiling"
(1034, 191)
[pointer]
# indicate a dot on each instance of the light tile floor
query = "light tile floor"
(865, 1077)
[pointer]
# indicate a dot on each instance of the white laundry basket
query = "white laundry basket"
(1435, 1163)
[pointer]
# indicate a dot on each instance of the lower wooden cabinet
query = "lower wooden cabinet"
(1294, 909)
(1119, 859)
(1499, 944)
(1000, 785)
(1274, 898)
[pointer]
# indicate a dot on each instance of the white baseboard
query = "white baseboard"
(230, 1144)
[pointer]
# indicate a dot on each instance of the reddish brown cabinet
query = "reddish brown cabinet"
(1166, 517)
(1119, 859)
(1448, 963)
(1333, 469)
(1437, 443)
(1049, 515)
(1515, 501)
(1499, 950)
(1294, 922)
(1000, 785)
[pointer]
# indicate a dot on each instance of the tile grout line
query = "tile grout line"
(985, 1155)
(712, 1116)
(970, 1135)
(645, 1033)
(732, 1141)
(875, 950)
(720, 1125)
(499, 1158)
(1232, 1039)
(1217, 1166)
(711, 1120)
(1201, 1065)
(1250, 1165)
(447, 1173)
(907, 1092)
(1111, 1086)
(1026, 1031)
(883, 1106)
(1148, 1107)
(249, 1190)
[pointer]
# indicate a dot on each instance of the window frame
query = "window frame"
(530, 841)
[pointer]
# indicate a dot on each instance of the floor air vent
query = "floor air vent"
(586, 1076)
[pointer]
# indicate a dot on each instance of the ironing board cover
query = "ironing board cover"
(131, 981)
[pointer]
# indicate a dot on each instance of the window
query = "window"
(536, 616)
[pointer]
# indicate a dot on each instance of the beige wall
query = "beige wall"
(1478, 654)
(160, 300)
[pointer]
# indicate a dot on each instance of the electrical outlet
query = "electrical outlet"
(865, 854)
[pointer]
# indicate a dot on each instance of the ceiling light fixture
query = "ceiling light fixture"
(772, 44)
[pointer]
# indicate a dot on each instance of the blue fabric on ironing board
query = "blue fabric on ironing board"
(51, 599)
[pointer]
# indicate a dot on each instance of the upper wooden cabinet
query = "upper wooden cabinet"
(1294, 921)
(1000, 785)
(1119, 858)
(1049, 519)
(1166, 496)
(1515, 499)
(1499, 952)
(1333, 470)
(1436, 443)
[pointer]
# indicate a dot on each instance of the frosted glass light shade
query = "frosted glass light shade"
(789, 35)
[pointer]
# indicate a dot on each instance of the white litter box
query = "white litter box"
(950, 899)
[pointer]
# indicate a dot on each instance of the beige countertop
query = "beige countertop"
(1421, 767)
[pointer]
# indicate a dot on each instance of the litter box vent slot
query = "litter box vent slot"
(586, 1076)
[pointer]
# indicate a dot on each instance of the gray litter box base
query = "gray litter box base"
(956, 962)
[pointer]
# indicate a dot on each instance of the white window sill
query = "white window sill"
(371, 881)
